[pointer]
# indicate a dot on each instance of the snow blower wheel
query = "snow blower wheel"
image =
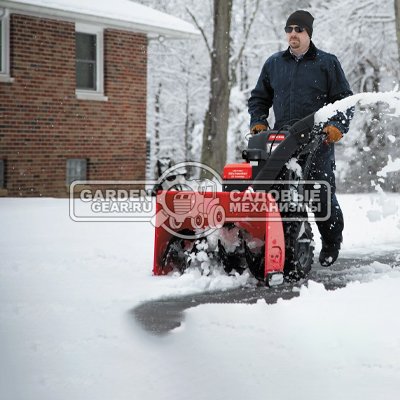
(299, 249)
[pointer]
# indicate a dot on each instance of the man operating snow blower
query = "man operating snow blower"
(298, 82)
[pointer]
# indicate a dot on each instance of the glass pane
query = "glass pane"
(76, 170)
(2, 173)
(85, 75)
(85, 46)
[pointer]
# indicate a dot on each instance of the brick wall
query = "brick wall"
(42, 124)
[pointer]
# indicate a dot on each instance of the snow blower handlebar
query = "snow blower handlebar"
(302, 129)
(297, 136)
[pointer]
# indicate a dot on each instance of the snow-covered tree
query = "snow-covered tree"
(397, 13)
(362, 34)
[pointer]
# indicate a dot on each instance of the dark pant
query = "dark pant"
(322, 169)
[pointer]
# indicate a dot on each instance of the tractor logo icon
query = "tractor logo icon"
(194, 206)
(197, 206)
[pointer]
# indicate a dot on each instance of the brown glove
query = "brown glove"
(333, 134)
(258, 128)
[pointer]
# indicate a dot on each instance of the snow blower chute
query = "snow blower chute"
(245, 225)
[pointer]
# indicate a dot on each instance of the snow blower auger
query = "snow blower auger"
(245, 225)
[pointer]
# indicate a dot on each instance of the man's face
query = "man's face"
(298, 41)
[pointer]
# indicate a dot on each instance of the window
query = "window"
(76, 170)
(86, 61)
(5, 46)
(89, 62)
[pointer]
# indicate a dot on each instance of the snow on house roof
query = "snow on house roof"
(122, 14)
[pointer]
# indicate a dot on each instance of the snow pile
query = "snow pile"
(360, 273)
(372, 222)
(391, 166)
(334, 344)
(125, 11)
(195, 281)
(66, 289)
(392, 99)
(205, 271)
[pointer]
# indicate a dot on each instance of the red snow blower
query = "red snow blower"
(254, 222)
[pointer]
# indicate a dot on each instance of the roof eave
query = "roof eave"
(149, 30)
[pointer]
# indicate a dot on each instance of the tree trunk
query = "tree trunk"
(244, 77)
(157, 110)
(217, 116)
(188, 127)
(397, 13)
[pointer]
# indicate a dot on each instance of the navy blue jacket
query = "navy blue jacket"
(297, 88)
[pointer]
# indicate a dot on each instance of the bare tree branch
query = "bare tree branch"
(201, 31)
(237, 60)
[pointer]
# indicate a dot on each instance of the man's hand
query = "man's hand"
(258, 128)
(333, 134)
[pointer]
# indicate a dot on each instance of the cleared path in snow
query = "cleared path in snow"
(161, 316)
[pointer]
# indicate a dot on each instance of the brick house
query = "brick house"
(73, 91)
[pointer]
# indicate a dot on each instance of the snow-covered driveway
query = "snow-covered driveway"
(66, 330)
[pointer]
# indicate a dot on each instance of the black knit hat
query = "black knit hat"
(302, 18)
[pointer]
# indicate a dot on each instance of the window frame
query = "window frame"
(98, 94)
(5, 46)
(2, 173)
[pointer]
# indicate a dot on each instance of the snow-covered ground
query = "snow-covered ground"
(66, 289)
